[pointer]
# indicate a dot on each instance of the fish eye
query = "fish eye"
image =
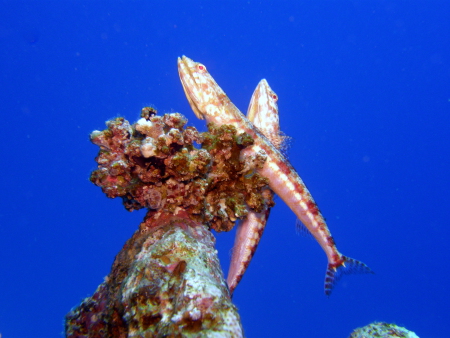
(201, 68)
(275, 97)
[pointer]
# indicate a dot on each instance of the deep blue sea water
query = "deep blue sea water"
(363, 90)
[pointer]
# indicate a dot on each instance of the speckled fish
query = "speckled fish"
(209, 101)
(263, 113)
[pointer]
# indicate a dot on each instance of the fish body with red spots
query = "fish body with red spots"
(263, 113)
(209, 102)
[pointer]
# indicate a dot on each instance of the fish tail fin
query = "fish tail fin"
(344, 266)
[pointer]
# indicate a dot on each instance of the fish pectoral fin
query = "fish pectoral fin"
(302, 230)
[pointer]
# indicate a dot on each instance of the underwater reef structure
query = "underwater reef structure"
(166, 281)
(382, 330)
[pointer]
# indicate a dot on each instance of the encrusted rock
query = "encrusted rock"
(382, 330)
(166, 282)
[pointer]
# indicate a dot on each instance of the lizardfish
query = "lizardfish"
(263, 113)
(209, 101)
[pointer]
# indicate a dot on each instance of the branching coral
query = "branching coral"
(154, 164)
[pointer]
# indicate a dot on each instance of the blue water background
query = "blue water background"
(363, 90)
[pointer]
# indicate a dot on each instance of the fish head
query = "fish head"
(203, 93)
(263, 110)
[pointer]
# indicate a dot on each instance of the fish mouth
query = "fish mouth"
(185, 65)
(188, 62)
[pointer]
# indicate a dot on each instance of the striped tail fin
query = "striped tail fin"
(346, 266)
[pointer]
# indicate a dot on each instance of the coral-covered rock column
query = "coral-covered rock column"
(166, 282)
